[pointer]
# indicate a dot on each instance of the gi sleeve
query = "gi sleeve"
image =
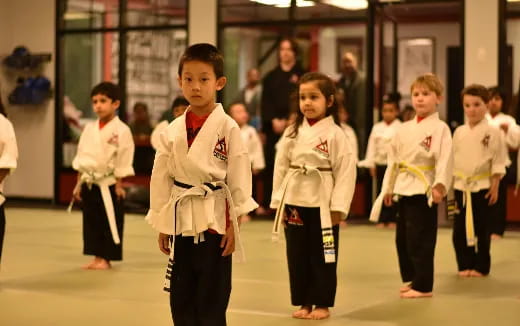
(125, 154)
(8, 148)
(257, 152)
(500, 155)
(161, 186)
(369, 161)
(343, 165)
(239, 178)
(281, 165)
(444, 160)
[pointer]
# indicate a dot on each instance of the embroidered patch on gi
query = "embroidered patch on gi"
(427, 143)
(322, 148)
(220, 151)
(114, 139)
(294, 217)
(485, 140)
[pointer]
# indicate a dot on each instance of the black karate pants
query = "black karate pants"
(2, 229)
(201, 282)
(499, 210)
(313, 282)
(415, 238)
(388, 213)
(467, 258)
(97, 238)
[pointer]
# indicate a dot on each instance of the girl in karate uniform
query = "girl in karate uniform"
(314, 179)
(8, 157)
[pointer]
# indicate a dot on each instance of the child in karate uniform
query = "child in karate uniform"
(104, 158)
(314, 179)
(419, 173)
(200, 186)
(8, 159)
(479, 163)
(377, 149)
(179, 106)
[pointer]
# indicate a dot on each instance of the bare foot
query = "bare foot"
(245, 219)
(102, 264)
(464, 273)
(474, 273)
(319, 313)
(343, 224)
(303, 312)
(261, 211)
(380, 225)
(405, 287)
(90, 265)
(495, 236)
(391, 225)
(413, 294)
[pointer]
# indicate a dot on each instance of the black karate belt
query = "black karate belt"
(303, 167)
(187, 186)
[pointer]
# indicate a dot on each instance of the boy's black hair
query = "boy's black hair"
(109, 89)
(476, 90)
(392, 98)
(206, 53)
(499, 91)
(178, 101)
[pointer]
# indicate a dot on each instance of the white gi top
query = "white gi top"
(253, 144)
(106, 151)
(477, 152)
(424, 144)
(155, 137)
(216, 155)
(8, 148)
(513, 139)
(378, 142)
(323, 145)
(498, 120)
(352, 138)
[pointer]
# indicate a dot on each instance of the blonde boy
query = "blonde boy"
(420, 164)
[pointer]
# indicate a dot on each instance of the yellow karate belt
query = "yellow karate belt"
(401, 167)
(470, 225)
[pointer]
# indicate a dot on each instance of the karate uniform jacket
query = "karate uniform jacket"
(513, 139)
(253, 144)
(478, 153)
(352, 138)
(8, 149)
(498, 120)
(378, 143)
(155, 137)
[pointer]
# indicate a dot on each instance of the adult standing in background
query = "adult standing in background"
(251, 96)
(353, 83)
(277, 88)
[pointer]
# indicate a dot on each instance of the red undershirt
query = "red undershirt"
(419, 119)
(312, 121)
(193, 125)
(102, 124)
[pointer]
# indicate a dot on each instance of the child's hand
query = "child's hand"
(492, 194)
(372, 172)
(164, 243)
(387, 200)
(335, 217)
(120, 191)
(76, 192)
(228, 241)
(438, 193)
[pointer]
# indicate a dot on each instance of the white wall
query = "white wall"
(481, 42)
(513, 38)
(31, 23)
(444, 35)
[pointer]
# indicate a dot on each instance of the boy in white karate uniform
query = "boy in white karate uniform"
(496, 118)
(479, 163)
(419, 173)
(104, 158)
(377, 152)
(200, 186)
(178, 108)
(251, 139)
(8, 158)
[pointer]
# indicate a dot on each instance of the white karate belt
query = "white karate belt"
(104, 181)
(203, 190)
(397, 168)
(470, 226)
(326, 222)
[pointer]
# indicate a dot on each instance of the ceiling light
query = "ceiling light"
(348, 4)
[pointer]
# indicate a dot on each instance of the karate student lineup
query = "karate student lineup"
(201, 185)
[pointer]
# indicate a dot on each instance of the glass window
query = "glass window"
(156, 12)
(90, 13)
(329, 9)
